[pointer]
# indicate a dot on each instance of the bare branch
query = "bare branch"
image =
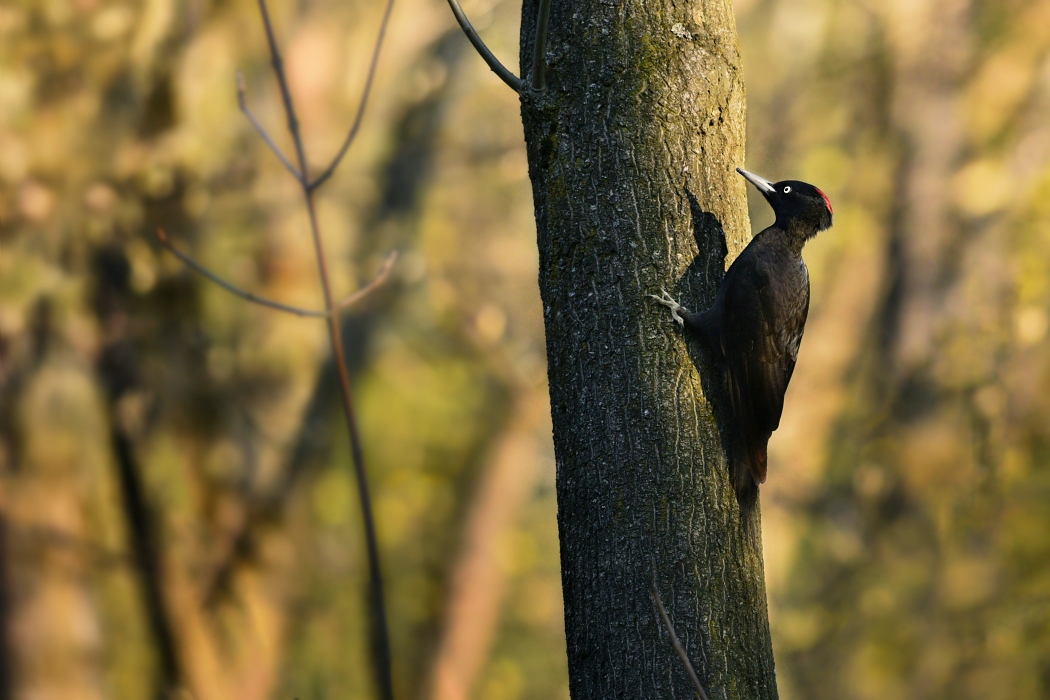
(286, 95)
(539, 51)
(498, 68)
(677, 644)
(242, 101)
(364, 100)
(349, 300)
(233, 289)
(380, 631)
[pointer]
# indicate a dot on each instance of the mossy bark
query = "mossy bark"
(632, 151)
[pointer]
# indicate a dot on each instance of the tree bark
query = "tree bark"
(632, 150)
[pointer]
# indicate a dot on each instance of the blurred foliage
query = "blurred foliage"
(916, 557)
(121, 117)
(907, 530)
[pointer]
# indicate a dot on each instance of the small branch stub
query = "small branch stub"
(539, 55)
(498, 68)
(677, 644)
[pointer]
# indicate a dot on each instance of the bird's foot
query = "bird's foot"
(667, 300)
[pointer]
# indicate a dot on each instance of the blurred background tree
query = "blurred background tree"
(914, 557)
(907, 533)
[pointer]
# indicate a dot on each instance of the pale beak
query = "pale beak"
(764, 186)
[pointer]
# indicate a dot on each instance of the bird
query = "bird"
(754, 328)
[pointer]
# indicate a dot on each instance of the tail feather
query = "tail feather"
(759, 459)
(748, 499)
(746, 488)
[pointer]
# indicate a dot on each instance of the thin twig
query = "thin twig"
(243, 102)
(364, 100)
(677, 644)
(233, 289)
(498, 68)
(539, 50)
(286, 95)
(380, 632)
(377, 282)
(346, 301)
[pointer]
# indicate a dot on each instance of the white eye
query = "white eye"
(787, 189)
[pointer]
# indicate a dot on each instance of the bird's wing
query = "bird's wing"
(761, 337)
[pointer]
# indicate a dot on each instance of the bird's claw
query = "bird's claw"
(667, 300)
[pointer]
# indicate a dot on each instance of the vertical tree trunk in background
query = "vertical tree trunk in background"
(7, 684)
(631, 155)
(479, 578)
(926, 240)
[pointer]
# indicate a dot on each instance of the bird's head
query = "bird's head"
(795, 203)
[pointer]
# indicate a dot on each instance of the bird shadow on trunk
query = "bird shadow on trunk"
(704, 275)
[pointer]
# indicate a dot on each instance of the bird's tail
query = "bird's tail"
(748, 499)
(746, 489)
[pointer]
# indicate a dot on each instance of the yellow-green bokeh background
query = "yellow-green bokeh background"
(907, 513)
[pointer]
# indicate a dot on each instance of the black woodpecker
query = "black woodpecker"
(755, 326)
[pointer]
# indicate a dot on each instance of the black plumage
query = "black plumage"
(755, 326)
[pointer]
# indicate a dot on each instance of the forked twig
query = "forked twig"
(243, 102)
(364, 100)
(380, 635)
(346, 301)
(498, 68)
(286, 95)
(677, 644)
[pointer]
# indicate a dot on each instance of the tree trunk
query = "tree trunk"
(631, 154)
